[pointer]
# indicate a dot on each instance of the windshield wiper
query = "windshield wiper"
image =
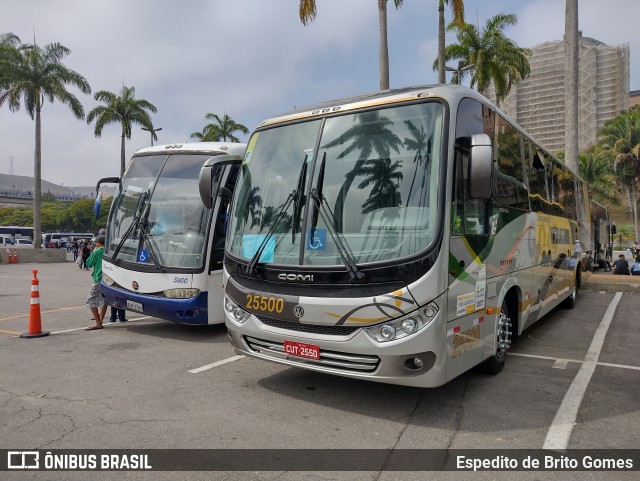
(295, 195)
(318, 189)
(297, 201)
(146, 237)
(254, 260)
(135, 223)
(322, 208)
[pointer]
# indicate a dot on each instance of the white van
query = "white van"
(6, 241)
(24, 243)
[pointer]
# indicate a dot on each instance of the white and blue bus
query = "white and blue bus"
(404, 237)
(17, 231)
(164, 247)
(60, 239)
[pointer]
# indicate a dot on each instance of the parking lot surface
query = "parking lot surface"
(149, 383)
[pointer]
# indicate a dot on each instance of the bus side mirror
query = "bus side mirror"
(98, 201)
(480, 167)
(205, 186)
(613, 229)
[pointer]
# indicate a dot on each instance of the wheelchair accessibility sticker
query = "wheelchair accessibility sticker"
(319, 241)
(143, 255)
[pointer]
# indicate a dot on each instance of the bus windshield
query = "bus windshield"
(158, 218)
(368, 186)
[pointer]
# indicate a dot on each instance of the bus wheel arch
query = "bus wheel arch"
(570, 302)
(506, 331)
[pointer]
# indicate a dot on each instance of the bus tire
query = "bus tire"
(495, 363)
(570, 302)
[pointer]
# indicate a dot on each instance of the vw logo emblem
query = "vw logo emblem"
(135, 286)
(298, 311)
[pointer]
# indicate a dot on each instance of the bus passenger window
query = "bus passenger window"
(508, 187)
(469, 216)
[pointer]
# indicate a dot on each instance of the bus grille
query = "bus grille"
(309, 328)
(331, 359)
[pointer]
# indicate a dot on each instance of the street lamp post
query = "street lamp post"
(152, 132)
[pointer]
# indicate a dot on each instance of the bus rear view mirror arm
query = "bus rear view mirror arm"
(224, 192)
(480, 167)
(205, 181)
(107, 180)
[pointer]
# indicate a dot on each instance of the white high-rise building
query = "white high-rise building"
(537, 103)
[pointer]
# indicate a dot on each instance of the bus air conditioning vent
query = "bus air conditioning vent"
(309, 328)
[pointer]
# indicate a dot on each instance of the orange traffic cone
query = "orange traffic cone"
(35, 323)
(9, 256)
(15, 256)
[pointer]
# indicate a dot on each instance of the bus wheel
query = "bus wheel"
(570, 302)
(495, 363)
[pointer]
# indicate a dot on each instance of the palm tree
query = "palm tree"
(621, 137)
(205, 136)
(33, 74)
(123, 109)
(457, 8)
(221, 130)
(8, 42)
(596, 168)
(8, 45)
(308, 13)
(488, 56)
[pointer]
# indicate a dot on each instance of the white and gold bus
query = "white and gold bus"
(404, 237)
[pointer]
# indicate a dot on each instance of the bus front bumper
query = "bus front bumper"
(350, 357)
(184, 311)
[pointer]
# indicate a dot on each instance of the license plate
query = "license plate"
(134, 306)
(300, 349)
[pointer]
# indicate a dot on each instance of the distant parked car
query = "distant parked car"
(24, 243)
(6, 241)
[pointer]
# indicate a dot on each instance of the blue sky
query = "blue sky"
(252, 59)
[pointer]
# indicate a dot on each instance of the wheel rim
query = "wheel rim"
(504, 333)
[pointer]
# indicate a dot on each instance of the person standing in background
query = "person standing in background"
(95, 299)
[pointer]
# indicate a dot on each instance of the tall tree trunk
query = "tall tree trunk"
(571, 113)
(122, 154)
(634, 202)
(384, 50)
(571, 84)
(441, 40)
(37, 178)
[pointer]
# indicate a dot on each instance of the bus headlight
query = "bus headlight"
(238, 314)
(403, 326)
(107, 280)
(181, 293)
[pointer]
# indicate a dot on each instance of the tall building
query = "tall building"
(537, 103)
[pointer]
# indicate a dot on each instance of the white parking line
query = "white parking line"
(566, 361)
(215, 364)
(559, 433)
